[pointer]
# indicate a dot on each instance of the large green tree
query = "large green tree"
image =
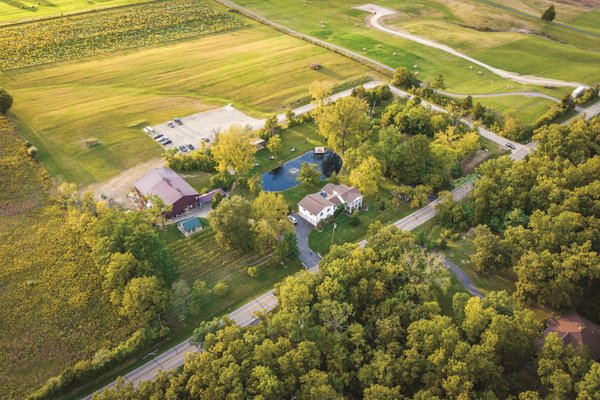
(234, 151)
(343, 123)
(231, 224)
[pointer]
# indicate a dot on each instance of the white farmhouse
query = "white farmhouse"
(317, 207)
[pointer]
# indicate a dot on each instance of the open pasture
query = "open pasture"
(345, 26)
(59, 106)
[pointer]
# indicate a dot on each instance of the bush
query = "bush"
(217, 198)
(6, 101)
(220, 289)
(102, 361)
(223, 181)
(355, 219)
(252, 272)
(32, 151)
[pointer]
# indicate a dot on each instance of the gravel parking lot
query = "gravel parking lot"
(205, 124)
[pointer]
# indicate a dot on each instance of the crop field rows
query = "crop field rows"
(105, 31)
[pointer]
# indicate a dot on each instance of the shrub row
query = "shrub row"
(103, 360)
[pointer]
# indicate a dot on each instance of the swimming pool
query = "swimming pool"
(285, 176)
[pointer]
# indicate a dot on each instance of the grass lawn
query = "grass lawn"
(526, 109)
(345, 232)
(302, 137)
(346, 27)
(459, 252)
(58, 106)
(22, 10)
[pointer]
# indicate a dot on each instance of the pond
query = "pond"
(285, 176)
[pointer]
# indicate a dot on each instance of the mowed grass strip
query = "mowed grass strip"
(58, 106)
(109, 30)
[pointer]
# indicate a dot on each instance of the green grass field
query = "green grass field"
(346, 27)
(58, 106)
(526, 109)
(25, 10)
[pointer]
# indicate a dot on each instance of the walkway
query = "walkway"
(380, 13)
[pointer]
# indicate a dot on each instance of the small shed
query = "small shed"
(258, 143)
(189, 226)
(207, 198)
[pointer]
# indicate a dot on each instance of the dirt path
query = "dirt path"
(118, 187)
(380, 13)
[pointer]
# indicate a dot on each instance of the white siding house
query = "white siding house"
(317, 207)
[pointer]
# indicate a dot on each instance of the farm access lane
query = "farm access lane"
(380, 13)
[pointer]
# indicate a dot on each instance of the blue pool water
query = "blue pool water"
(284, 177)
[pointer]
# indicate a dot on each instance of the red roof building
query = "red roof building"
(170, 187)
(576, 330)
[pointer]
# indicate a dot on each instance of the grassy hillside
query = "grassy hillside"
(59, 106)
(52, 307)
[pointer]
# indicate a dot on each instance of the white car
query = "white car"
(293, 219)
(149, 130)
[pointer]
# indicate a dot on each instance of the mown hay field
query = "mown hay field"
(113, 96)
(106, 31)
(52, 307)
(345, 26)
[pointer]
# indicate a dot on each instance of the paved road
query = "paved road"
(308, 257)
(380, 13)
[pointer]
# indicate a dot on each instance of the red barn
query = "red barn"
(171, 188)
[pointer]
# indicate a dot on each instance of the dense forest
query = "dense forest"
(369, 326)
(541, 216)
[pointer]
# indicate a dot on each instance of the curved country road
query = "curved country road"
(380, 13)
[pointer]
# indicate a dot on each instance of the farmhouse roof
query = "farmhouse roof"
(315, 203)
(576, 330)
(346, 193)
(166, 184)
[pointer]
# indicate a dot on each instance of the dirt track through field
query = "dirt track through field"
(380, 13)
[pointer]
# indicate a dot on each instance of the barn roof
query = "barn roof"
(166, 184)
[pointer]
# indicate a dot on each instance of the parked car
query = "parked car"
(149, 130)
(183, 148)
(293, 219)
(511, 146)
(178, 121)
(166, 142)
(205, 139)
(171, 124)
(157, 136)
(163, 139)
(191, 146)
